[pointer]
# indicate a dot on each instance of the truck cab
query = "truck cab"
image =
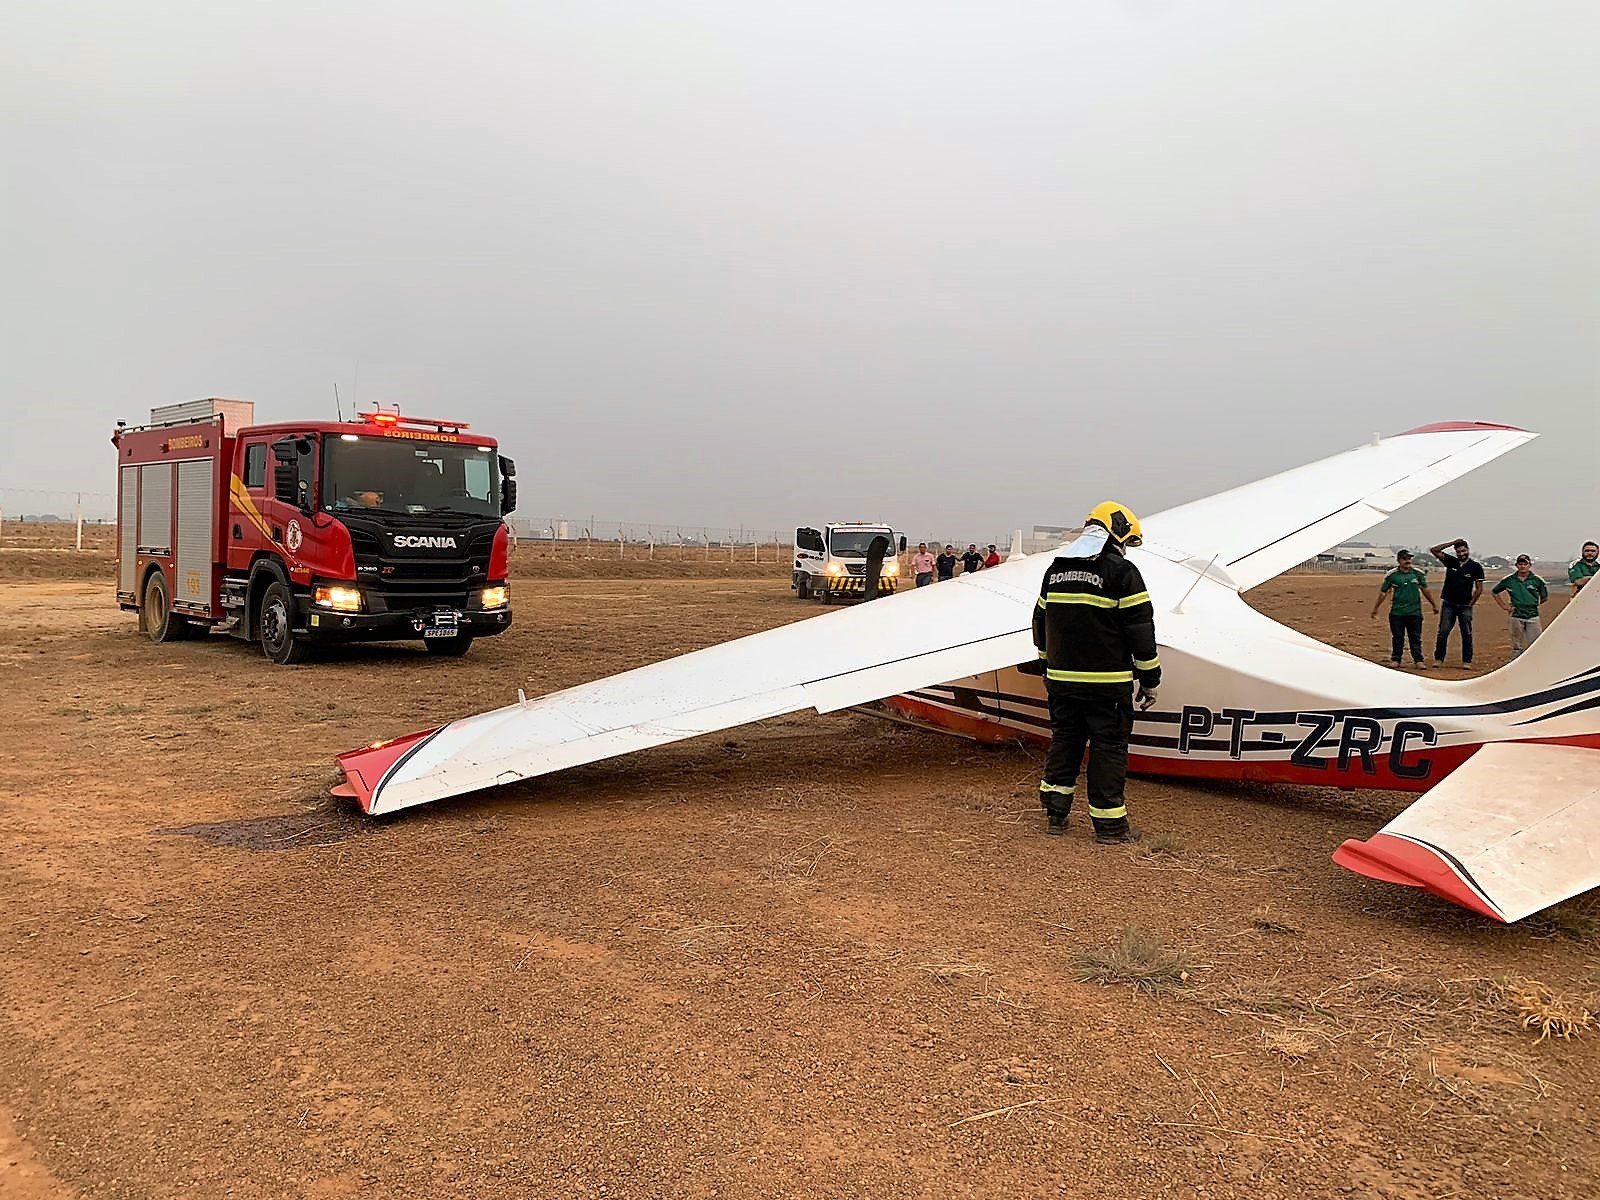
(384, 527)
(831, 563)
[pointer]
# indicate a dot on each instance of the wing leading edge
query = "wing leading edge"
(1256, 532)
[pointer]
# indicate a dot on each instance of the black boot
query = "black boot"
(1057, 825)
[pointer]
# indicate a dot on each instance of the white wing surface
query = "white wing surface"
(1506, 834)
(907, 641)
(1253, 533)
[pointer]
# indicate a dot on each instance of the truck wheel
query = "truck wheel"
(827, 595)
(156, 617)
(802, 586)
(449, 647)
(279, 641)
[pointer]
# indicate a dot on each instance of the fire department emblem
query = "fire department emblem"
(292, 536)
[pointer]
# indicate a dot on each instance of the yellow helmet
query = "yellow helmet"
(1119, 521)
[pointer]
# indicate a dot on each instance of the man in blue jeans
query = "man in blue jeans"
(1463, 584)
(1407, 588)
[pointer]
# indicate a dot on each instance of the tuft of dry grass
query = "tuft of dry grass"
(1262, 921)
(1162, 845)
(1139, 960)
(1296, 1045)
(1540, 1008)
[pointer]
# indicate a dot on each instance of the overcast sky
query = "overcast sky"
(958, 266)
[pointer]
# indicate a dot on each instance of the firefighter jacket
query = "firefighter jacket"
(1094, 622)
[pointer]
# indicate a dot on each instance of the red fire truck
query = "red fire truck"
(378, 528)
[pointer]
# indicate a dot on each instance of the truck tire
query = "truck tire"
(279, 642)
(156, 617)
(827, 595)
(802, 586)
(449, 647)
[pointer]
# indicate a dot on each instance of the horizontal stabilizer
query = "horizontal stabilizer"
(1508, 833)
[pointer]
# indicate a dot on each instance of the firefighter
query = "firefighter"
(1096, 636)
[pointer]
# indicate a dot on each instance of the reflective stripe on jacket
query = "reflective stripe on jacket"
(1094, 622)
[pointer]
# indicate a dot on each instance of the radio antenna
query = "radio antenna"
(336, 406)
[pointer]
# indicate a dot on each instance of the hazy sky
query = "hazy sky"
(959, 266)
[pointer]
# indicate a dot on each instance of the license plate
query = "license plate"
(440, 631)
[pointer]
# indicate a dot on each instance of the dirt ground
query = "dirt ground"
(819, 956)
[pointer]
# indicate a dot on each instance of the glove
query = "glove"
(1146, 697)
(1035, 668)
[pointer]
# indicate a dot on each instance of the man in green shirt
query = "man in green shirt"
(1407, 588)
(1527, 592)
(1584, 569)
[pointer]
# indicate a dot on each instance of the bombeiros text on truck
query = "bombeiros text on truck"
(380, 528)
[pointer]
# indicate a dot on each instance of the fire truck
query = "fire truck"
(379, 528)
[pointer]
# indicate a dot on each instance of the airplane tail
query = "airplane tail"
(1511, 831)
(1561, 668)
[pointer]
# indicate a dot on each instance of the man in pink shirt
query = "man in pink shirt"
(922, 565)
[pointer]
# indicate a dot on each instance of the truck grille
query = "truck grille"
(395, 583)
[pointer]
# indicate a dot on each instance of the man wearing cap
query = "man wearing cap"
(1527, 591)
(1584, 568)
(1463, 584)
(1407, 588)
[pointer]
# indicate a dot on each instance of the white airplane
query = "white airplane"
(1513, 829)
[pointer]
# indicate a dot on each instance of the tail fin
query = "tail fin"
(1568, 648)
(1551, 693)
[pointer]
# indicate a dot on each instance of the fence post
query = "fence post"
(619, 543)
(77, 517)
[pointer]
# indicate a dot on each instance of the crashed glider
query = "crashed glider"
(1511, 831)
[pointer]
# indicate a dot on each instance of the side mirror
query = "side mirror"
(291, 472)
(508, 496)
(902, 543)
(508, 469)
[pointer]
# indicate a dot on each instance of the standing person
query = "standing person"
(1527, 592)
(1463, 584)
(992, 559)
(946, 563)
(1408, 588)
(1095, 631)
(971, 561)
(1584, 567)
(922, 565)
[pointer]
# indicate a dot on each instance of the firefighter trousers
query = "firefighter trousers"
(1099, 717)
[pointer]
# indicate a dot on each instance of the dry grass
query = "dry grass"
(950, 972)
(1162, 845)
(1296, 1045)
(1540, 1008)
(1139, 960)
(1262, 921)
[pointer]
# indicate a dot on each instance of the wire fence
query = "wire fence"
(39, 519)
(31, 519)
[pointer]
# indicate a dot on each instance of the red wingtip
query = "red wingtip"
(364, 768)
(1396, 860)
(1456, 426)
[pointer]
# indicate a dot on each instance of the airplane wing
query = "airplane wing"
(900, 643)
(1506, 834)
(1258, 531)
(894, 644)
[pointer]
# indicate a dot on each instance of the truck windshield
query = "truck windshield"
(853, 543)
(396, 475)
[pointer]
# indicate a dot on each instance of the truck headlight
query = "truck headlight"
(891, 568)
(339, 599)
(495, 597)
(835, 568)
